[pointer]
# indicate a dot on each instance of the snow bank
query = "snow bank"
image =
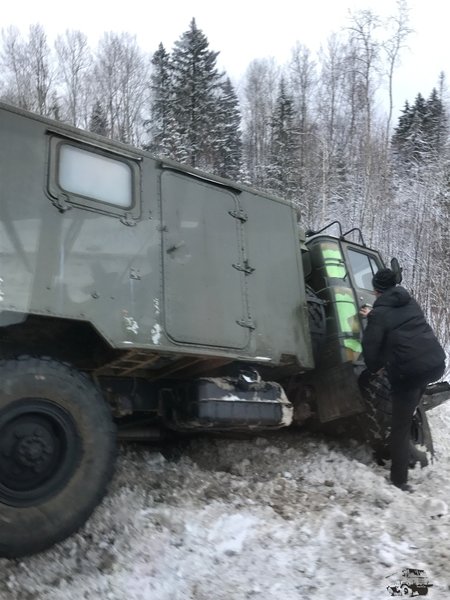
(285, 516)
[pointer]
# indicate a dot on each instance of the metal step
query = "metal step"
(127, 364)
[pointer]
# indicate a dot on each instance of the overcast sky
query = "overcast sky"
(246, 29)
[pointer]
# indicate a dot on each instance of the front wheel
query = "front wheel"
(57, 450)
(375, 422)
(406, 590)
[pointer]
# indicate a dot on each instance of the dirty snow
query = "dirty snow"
(284, 516)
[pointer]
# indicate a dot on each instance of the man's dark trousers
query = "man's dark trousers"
(404, 403)
(405, 399)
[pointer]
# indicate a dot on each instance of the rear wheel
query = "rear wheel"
(377, 418)
(57, 450)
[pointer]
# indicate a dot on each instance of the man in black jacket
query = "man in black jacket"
(399, 340)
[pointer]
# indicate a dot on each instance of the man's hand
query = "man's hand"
(365, 310)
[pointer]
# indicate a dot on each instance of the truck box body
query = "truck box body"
(154, 255)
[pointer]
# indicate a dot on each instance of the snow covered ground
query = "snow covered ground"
(283, 517)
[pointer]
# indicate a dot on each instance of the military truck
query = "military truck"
(411, 582)
(145, 298)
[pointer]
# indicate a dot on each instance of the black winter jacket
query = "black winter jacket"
(398, 338)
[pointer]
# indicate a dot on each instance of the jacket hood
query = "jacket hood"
(394, 296)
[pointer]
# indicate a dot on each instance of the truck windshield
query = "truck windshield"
(363, 267)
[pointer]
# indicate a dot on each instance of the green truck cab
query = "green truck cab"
(144, 298)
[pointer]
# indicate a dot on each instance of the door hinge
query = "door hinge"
(239, 214)
(128, 220)
(246, 268)
(247, 323)
(134, 273)
(61, 203)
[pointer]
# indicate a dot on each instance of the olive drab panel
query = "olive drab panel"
(167, 260)
(204, 296)
(275, 285)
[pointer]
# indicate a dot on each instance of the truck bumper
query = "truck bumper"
(436, 394)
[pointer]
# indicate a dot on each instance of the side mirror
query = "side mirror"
(397, 270)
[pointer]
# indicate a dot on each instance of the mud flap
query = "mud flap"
(337, 393)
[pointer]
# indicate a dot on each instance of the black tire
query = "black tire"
(375, 423)
(406, 590)
(57, 453)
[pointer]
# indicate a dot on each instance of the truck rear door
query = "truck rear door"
(204, 290)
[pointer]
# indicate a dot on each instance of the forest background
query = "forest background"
(313, 130)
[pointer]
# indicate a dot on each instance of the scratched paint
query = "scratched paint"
(156, 331)
(131, 324)
(156, 306)
(2, 293)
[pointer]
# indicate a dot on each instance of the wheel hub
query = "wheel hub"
(35, 450)
(28, 448)
(38, 451)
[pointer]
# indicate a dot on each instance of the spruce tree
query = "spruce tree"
(98, 122)
(422, 131)
(284, 145)
(227, 143)
(435, 125)
(401, 131)
(417, 142)
(196, 83)
(160, 125)
(409, 140)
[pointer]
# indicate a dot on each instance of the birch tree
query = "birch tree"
(74, 64)
(41, 68)
(392, 46)
(15, 65)
(260, 88)
(28, 64)
(122, 76)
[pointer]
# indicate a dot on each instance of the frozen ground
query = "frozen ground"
(281, 517)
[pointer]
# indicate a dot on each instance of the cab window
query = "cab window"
(363, 268)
